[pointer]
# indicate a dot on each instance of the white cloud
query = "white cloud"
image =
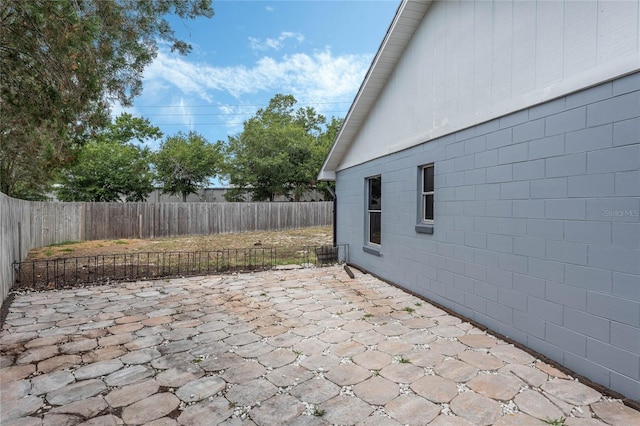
(319, 75)
(318, 79)
(275, 43)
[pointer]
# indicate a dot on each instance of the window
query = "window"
(427, 194)
(374, 209)
(425, 201)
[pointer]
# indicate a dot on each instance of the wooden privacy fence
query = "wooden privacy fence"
(156, 220)
(25, 225)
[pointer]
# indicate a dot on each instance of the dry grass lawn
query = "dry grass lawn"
(287, 238)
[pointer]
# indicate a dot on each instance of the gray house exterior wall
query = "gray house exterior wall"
(537, 228)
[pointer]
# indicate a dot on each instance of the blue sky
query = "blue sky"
(318, 51)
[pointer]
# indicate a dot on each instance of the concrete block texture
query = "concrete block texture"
(536, 231)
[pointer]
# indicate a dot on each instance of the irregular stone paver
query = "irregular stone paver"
(402, 372)
(435, 388)
(206, 413)
(395, 347)
(377, 390)
(525, 419)
(409, 409)
(151, 408)
(243, 372)
(455, 370)
(86, 408)
(76, 391)
(476, 408)
(478, 340)
(78, 346)
(530, 375)
(17, 408)
(372, 360)
(615, 413)
(571, 391)
(179, 376)
(57, 363)
(49, 382)
(271, 348)
(132, 393)
(277, 358)
(197, 390)
(536, 405)
(481, 360)
(280, 409)
(344, 410)
(511, 354)
(496, 386)
(251, 393)
(15, 390)
(447, 347)
(128, 375)
(97, 369)
(140, 356)
(347, 374)
(315, 391)
(289, 375)
(320, 362)
(37, 354)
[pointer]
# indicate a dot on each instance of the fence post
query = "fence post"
(139, 227)
(19, 242)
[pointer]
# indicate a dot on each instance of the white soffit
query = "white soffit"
(404, 25)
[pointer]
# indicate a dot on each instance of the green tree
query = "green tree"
(62, 63)
(112, 166)
(279, 152)
(185, 163)
(107, 171)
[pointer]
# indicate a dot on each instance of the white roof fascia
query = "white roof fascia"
(400, 32)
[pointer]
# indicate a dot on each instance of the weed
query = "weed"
(409, 309)
(120, 242)
(49, 252)
(367, 315)
(339, 313)
(556, 422)
(376, 372)
(196, 360)
(64, 243)
(418, 304)
(298, 353)
(319, 412)
(67, 250)
(263, 294)
(403, 360)
(232, 404)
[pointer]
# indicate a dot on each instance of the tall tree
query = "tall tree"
(108, 172)
(62, 63)
(279, 152)
(112, 166)
(185, 163)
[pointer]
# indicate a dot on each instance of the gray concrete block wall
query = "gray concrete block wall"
(537, 228)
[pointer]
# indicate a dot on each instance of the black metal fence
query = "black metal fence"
(67, 272)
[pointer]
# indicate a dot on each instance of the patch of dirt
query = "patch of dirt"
(317, 236)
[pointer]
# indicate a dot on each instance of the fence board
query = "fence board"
(25, 225)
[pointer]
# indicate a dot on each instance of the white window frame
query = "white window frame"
(371, 211)
(425, 192)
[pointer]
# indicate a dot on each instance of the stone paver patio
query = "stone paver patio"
(295, 347)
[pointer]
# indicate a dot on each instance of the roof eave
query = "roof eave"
(403, 26)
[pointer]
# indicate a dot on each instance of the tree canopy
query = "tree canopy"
(185, 163)
(279, 152)
(112, 166)
(62, 64)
